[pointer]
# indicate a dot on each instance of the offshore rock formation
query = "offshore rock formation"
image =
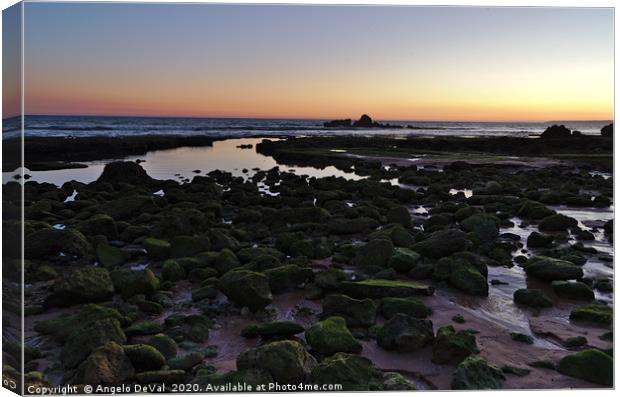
(364, 122)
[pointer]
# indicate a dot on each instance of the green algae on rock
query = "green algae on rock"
(332, 336)
(532, 297)
(247, 288)
(594, 313)
(87, 285)
(452, 347)
(144, 357)
(413, 307)
(353, 372)
(405, 333)
(285, 361)
(377, 288)
(272, 329)
(356, 312)
(129, 282)
(591, 365)
(551, 269)
(474, 373)
(573, 290)
(107, 365)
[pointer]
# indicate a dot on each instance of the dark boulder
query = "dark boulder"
(474, 373)
(556, 132)
(125, 172)
(442, 243)
(608, 131)
(405, 333)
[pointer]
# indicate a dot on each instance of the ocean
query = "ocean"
(83, 126)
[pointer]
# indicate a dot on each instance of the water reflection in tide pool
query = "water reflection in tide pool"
(180, 164)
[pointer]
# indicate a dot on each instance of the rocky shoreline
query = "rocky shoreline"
(364, 283)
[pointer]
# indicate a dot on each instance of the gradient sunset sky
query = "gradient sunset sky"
(394, 63)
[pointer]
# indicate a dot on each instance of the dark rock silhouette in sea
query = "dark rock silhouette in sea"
(364, 122)
(338, 123)
(608, 131)
(556, 132)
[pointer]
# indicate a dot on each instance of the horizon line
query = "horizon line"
(307, 118)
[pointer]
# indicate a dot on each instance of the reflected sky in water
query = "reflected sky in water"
(180, 163)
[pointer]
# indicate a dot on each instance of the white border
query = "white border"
(488, 3)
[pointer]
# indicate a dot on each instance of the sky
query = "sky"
(394, 63)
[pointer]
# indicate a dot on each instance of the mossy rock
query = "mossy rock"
(393, 381)
(356, 312)
(409, 306)
(263, 262)
(48, 243)
(157, 249)
(272, 329)
(285, 361)
(534, 210)
(405, 333)
(465, 213)
(247, 255)
(341, 226)
(399, 214)
(144, 357)
(107, 364)
(329, 279)
(332, 336)
(204, 292)
(62, 326)
(164, 344)
(144, 327)
(532, 297)
(538, 240)
(474, 373)
(110, 256)
(523, 338)
(186, 362)
(551, 269)
(375, 253)
(399, 236)
(246, 288)
(186, 246)
(302, 248)
(288, 277)
(172, 271)
(226, 261)
(469, 281)
(83, 340)
(594, 313)
(377, 288)
(452, 347)
(442, 243)
(194, 327)
(87, 285)
(130, 282)
(45, 273)
(484, 226)
(573, 290)
(403, 260)
(353, 372)
(99, 224)
(591, 365)
(574, 342)
(557, 223)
